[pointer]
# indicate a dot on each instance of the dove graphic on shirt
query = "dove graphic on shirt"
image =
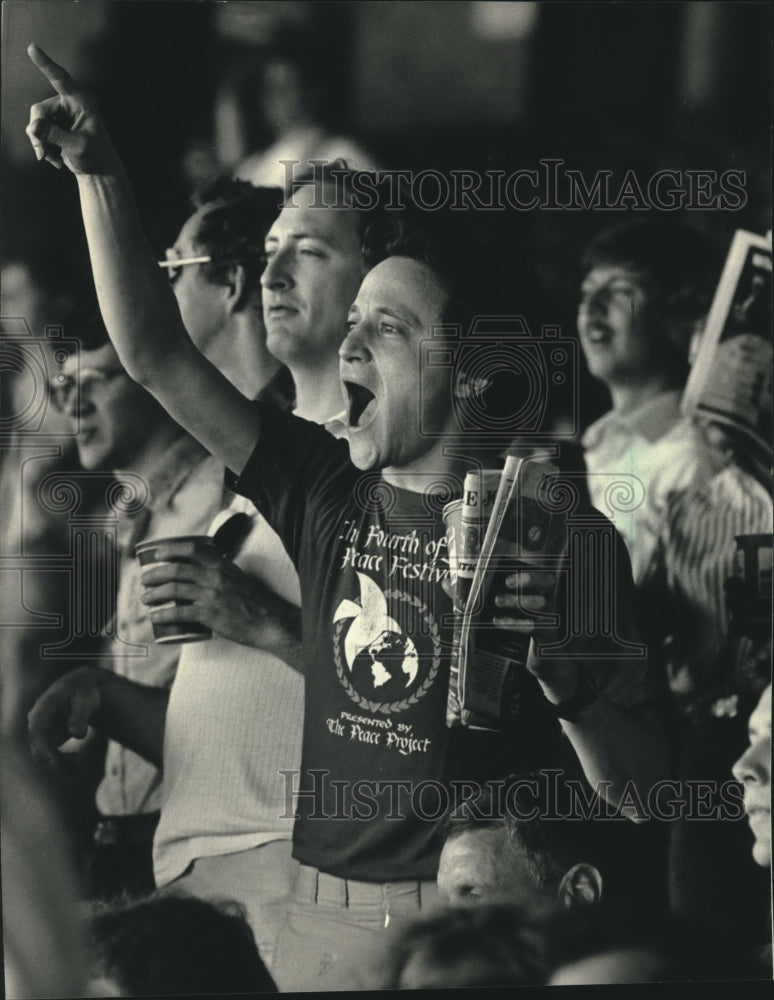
(374, 630)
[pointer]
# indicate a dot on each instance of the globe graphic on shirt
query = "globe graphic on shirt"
(386, 668)
(382, 659)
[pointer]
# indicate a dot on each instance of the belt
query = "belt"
(133, 829)
(391, 898)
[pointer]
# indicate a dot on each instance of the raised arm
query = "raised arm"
(137, 304)
(622, 750)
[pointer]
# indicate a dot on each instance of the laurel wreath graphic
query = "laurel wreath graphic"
(389, 707)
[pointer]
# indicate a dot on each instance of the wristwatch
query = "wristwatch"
(583, 697)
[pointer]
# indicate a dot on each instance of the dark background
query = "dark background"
(456, 85)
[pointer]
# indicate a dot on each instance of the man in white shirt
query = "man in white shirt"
(231, 724)
(235, 716)
(179, 488)
(352, 878)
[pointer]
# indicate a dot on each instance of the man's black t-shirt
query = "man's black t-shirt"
(380, 767)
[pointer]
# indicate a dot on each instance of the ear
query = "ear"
(236, 289)
(582, 884)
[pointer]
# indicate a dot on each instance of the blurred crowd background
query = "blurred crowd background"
(478, 85)
(190, 90)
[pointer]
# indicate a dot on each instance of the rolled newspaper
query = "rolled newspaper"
(730, 383)
(498, 526)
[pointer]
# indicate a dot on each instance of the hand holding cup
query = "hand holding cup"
(173, 569)
(192, 591)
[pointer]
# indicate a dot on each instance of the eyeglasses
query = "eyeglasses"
(90, 382)
(174, 262)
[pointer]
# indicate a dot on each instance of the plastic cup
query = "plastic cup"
(169, 632)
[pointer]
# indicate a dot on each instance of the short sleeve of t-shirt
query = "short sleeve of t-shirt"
(294, 459)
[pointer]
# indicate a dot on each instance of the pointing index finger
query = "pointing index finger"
(56, 75)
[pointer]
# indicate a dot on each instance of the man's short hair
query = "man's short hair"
(233, 230)
(343, 193)
(392, 225)
(497, 944)
(435, 242)
(681, 262)
(682, 266)
(174, 945)
(540, 818)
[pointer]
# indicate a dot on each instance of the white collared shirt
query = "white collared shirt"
(635, 461)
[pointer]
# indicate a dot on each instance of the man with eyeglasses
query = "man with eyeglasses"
(38, 291)
(232, 720)
(118, 426)
(360, 869)
(214, 267)
(43, 291)
(204, 845)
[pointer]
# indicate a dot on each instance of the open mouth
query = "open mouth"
(361, 405)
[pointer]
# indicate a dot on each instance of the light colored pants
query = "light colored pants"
(262, 879)
(334, 928)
